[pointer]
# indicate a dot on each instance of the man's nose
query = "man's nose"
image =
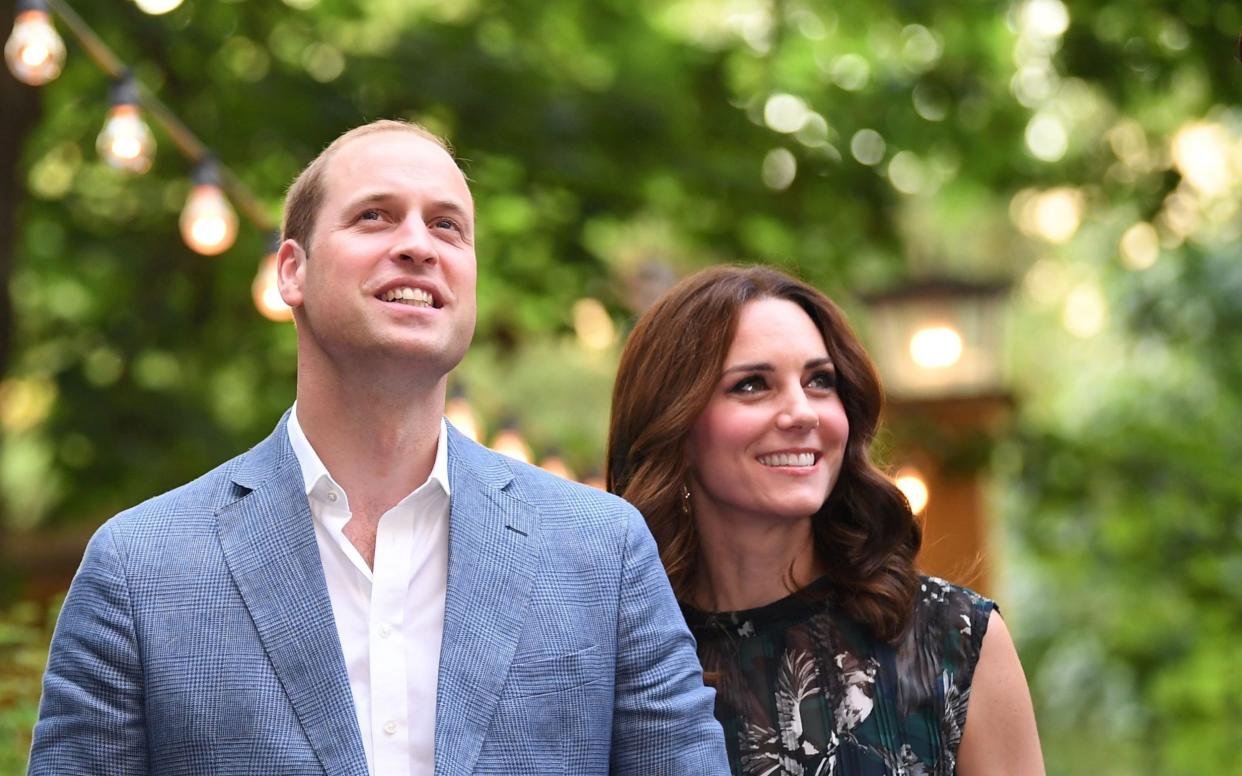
(414, 242)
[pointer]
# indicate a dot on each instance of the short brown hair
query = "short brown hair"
(305, 194)
(864, 533)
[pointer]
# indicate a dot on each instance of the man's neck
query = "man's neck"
(377, 441)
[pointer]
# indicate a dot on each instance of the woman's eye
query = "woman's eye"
(824, 380)
(749, 385)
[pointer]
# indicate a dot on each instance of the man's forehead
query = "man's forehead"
(391, 156)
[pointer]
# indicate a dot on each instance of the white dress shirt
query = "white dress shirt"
(390, 619)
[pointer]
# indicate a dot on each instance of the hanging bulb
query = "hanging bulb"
(157, 7)
(126, 142)
(265, 289)
(208, 223)
(461, 415)
(555, 464)
(34, 52)
(510, 443)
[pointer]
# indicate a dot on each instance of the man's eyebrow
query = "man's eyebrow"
(372, 198)
(439, 205)
(452, 206)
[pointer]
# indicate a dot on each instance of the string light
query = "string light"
(34, 52)
(208, 223)
(555, 464)
(266, 290)
(913, 485)
(510, 443)
(157, 7)
(461, 415)
(126, 142)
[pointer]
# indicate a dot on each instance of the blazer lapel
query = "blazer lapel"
(493, 555)
(269, 545)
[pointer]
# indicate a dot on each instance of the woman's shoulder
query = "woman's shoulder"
(935, 592)
(954, 617)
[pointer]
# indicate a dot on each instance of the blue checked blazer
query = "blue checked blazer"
(198, 638)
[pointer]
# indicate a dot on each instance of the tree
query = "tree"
(1088, 149)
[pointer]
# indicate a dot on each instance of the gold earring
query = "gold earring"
(685, 499)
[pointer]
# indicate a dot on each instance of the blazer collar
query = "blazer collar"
(494, 548)
(494, 545)
(269, 545)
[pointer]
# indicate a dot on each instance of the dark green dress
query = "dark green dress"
(804, 691)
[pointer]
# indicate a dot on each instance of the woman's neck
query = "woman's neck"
(747, 566)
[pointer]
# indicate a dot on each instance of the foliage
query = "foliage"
(25, 631)
(1087, 149)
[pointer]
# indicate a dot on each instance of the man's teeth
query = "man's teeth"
(407, 295)
(788, 459)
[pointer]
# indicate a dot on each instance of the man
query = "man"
(366, 590)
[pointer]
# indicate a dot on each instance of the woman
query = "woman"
(741, 419)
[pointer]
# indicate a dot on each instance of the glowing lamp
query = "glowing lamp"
(509, 442)
(208, 223)
(555, 464)
(461, 415)
(939, 339)
(913, 485)
(126, 142)
(266, 291)
(157, 7)
(34, 52)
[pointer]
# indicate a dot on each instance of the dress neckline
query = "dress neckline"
(792, 605)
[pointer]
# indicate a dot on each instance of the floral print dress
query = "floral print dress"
(803, 691)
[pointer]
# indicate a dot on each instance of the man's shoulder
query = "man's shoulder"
(560, 502)
(187, 509)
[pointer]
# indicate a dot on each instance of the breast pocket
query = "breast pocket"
(552, 712)
(530, 679)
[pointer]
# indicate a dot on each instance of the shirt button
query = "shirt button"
(332, 497)
(385, 631)
(390, 728)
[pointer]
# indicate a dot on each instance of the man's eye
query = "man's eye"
(370, 214)
(749, 385)
(447, 223)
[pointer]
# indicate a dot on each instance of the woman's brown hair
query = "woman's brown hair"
(864, 533)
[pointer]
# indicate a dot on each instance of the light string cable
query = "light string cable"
(33, 28)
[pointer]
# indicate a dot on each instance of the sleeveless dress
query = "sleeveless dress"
(801, 690)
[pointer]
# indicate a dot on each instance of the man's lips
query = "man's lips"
(411, 293)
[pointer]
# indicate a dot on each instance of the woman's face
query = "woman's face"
(769, 444)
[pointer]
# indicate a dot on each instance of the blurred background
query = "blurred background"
(1029, 209)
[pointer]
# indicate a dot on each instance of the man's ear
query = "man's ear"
(291, 272)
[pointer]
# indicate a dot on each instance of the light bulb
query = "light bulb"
(34, 52)
(126, 142)
(554, 464)
(266, 292)
(510, 443)
(912, 484)
(460, 414)
(208, 223)
(157, 7)
(936, 347)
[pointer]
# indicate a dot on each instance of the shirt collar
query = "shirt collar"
(313, 469)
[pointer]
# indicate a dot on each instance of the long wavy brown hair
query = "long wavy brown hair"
(865, 534)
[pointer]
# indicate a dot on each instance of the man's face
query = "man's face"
(390, 269)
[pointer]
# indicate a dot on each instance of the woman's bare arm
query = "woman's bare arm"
(1000, 735)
